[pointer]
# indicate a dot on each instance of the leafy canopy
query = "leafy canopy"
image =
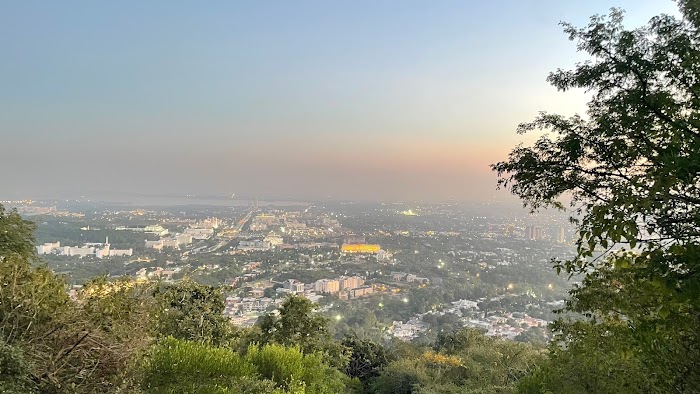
(630, 171)
(630, 167)
(177, 366)
(193, 312)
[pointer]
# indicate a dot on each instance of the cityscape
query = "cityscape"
(417, 269)
(366, 197)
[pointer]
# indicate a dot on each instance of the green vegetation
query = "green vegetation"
(193, 312)
(177, 366)
(461, 362)
(52, 344)
(631, 171)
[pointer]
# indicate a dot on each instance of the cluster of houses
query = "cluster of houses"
(507, 325)
(408, 278)
(244, 311)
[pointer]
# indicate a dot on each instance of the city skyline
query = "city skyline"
(368, 101)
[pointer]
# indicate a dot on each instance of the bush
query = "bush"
(176, 366)
(15, 372)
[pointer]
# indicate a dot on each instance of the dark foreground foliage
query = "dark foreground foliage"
(630, 170)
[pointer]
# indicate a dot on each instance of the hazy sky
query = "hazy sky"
(350, 99)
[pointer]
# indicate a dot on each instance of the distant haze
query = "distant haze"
(353, 100)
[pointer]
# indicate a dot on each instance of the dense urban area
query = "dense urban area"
(377, 270)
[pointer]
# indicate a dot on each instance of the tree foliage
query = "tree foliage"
(631, 165)
(15, 371)
(298, 325)
(87, 345)
(295, 325)
(630, 170)
(16, 235)
(465, 361)
(193, 312)
(367, 358)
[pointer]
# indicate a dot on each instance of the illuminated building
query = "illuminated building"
(351, 282)
(330, 286)
(360, 248)
(361, 291)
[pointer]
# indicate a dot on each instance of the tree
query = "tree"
(465, 361)
(630, 171)
(94, 345)
(16, 235)
(295, 325)
(15, 371)
(533, 335)
(366, 360)
(52, 344)
(583, 368)
(193, 312)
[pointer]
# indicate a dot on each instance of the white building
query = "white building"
(157, 245)
(184, 239)
(78, 251)
(273, 240)
(121, 252)
(48, 247)
(294, 286)
(200, 233)
(255, 244)
(156, 229)
(170, 243)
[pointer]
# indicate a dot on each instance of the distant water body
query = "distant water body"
(210, 201)
(138, 200)
(219, 202)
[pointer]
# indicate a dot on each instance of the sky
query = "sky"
(363, 100)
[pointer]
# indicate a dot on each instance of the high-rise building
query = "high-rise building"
(329, 286)
(534, 233)
(529, 232)
(294, 286)
(351, 282)
(561, 238)
(538, 233)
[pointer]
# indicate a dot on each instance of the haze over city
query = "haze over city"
(361, 100)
